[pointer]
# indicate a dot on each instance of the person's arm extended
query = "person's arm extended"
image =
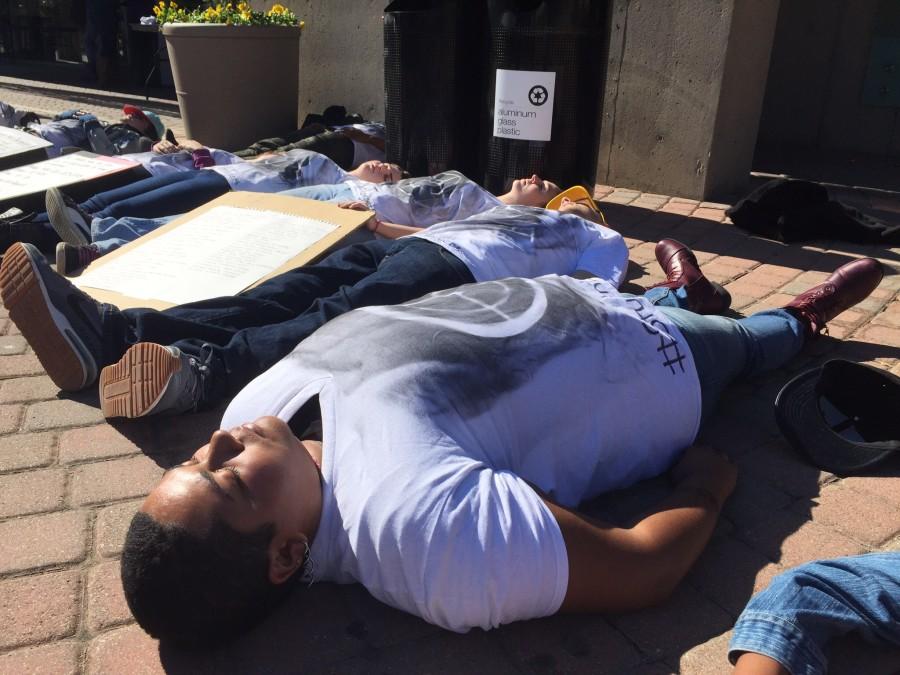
(390, 230)
(759, 664)
(385, 228)
(614, 569)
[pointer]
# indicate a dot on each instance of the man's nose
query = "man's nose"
(222, 447)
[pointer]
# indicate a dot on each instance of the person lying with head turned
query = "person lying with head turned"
(436, 452)
(785, 629)
(416, 202)
(204, 352)
(404, 207)
(136, 131)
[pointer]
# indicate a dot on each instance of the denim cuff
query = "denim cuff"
(778, 638)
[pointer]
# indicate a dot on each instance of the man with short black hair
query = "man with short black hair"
(436, 452)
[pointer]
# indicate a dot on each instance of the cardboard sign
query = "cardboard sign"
(234, 242)
(57, 172)
(16, 141)
(523, 104)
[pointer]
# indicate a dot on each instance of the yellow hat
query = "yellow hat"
(576, 193)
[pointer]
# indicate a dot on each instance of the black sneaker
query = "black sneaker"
(71, 258)
(16, 215)
(152, 379)
(60, 322)
(68, 219)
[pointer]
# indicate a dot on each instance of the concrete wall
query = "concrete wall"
(672, 64)
(681, 105)
(341, 55)
(814, 94)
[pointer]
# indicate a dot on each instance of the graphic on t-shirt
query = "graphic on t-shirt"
(478, 342)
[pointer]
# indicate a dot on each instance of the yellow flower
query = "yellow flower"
(302, 24)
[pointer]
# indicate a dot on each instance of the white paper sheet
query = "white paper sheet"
(65, 170)
(220, 252)
(14, 141)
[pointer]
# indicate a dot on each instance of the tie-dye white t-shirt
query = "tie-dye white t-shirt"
(426, 200)
(438, 415)
(525, 241)
(282, 171)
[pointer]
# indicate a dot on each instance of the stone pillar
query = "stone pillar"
(684, 92)
(341, 55)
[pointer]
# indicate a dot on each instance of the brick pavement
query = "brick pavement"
(69, 483)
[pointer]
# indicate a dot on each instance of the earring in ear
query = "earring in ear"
(307, 567)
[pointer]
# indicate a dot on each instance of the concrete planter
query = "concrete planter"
(235, 84)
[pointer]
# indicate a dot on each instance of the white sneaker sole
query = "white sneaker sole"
(61, 221)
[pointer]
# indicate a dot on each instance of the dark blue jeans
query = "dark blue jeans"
(155, 197)
(158, 195)
(241, 336)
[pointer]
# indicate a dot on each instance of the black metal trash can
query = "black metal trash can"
(434, 52)
(544, 89)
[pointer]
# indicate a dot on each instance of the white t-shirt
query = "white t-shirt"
(426, 200)
(525, 241)
(283, 171)
(158, 164)
(461, 399)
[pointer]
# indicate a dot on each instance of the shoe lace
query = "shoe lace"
(196, 391)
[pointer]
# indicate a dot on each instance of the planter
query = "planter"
(235, 84)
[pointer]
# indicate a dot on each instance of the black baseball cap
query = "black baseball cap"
(843, 416)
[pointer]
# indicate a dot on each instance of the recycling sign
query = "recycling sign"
(523, 104)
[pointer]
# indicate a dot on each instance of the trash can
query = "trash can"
(544, 89)
(434, 52)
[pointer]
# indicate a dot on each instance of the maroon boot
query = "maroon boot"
(848, 285)
(682, 269)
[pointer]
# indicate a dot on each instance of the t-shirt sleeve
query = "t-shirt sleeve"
(606, 256)
(495, 555)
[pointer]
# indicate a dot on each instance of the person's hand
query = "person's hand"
(190, 145)
(164, 148)
(707, 470)
(355, 205)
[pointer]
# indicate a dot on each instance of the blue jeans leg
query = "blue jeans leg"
(803, 609)
(725, 349)
(194, 189)
(322, 193)
(101, 200)
(108, 234)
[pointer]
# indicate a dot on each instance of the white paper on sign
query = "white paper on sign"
(523, 104)
(14, 141)
(65, 170)
(220, 252)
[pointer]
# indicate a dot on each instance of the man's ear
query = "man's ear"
(285, 557)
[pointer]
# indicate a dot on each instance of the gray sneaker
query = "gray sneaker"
(67, 218)
(61, 323)
(152, 379)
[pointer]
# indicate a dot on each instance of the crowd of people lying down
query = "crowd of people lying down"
(424, 410)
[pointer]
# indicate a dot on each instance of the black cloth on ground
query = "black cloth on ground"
(796, 210)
